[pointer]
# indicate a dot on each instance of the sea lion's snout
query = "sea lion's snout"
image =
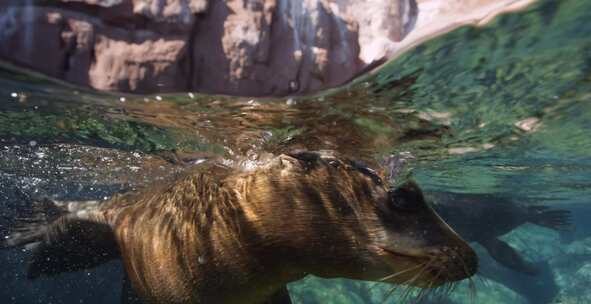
(417, 241)
(456, 263)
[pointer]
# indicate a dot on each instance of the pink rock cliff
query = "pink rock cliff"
(237, 47)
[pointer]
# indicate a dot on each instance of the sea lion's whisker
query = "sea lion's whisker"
(437, 291)
(419, 295)
(410, 288)
(482, 280)
(452, 287)
(471, 284)
(473, 290)
(422, 294)
(391, 291)
(407, 292)
(434, 291)
(445, 289)
(403, 293)
(375, 284)
(427, 291)
(401, 272)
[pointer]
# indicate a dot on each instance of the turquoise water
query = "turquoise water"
(503, 110)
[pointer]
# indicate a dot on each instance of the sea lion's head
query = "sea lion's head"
(417, 240)
(332, 217)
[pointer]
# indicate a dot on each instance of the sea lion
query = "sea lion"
(222, 235)
(483, 218)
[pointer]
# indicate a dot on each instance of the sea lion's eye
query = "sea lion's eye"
(406, 197)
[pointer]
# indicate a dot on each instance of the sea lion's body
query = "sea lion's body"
(483, 218)
(479, 216)
(191, 251)
(230, 236)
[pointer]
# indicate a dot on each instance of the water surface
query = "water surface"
(502, 110)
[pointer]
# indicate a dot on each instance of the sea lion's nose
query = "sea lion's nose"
(462, 262)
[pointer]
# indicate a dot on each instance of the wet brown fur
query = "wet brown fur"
(222, 236)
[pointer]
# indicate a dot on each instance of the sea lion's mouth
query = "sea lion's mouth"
(433, 267)
(416, 268)
(405, 254)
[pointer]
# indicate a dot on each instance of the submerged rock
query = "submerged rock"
(239, 47)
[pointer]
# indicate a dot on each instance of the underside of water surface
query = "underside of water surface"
(502, 110)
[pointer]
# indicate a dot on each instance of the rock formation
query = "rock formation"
(237, 47)
(241, 47)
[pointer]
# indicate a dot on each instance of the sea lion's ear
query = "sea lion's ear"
(307, 159)
(303, 155)
(311, 159)
(406, 197)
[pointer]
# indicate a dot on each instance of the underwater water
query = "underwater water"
(497, 113)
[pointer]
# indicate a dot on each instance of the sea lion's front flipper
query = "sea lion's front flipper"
(507, 256)
(71, 244)
(281, 296)
(61, 241)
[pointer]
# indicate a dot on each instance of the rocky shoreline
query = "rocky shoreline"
(235, 47)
